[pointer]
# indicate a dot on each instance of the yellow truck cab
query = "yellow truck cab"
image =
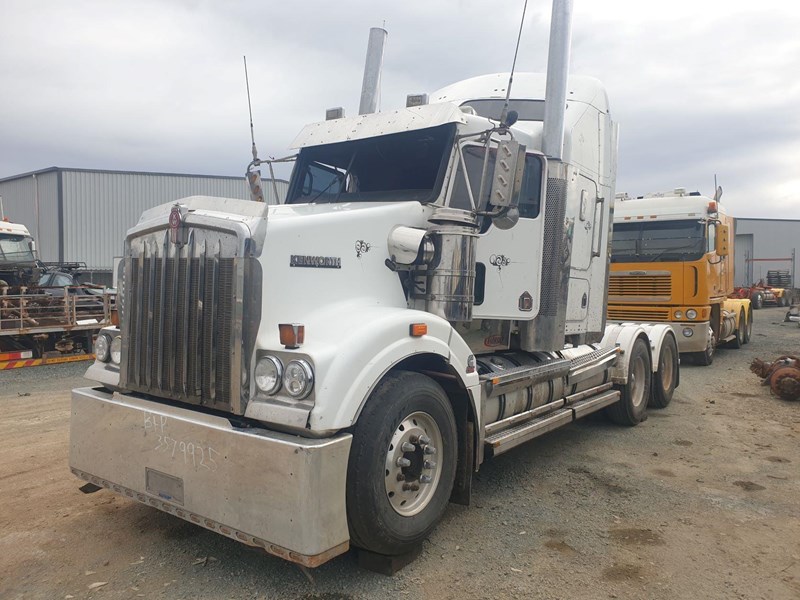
(672, 262)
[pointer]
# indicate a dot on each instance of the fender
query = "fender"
(378, 338)
(736, 305)
(624, 335)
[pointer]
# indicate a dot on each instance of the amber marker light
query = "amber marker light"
(292, 335)
(418, 329)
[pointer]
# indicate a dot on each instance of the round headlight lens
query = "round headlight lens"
(691, 313)
(268, 374)
(678, 314)
(298, 379)
(687, 332)
(102, 348)
(116, 350)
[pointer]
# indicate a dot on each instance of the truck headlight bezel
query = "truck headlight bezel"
(267, 363)
(691, 314)
(102, 348)
(678, 314)
(298, 379)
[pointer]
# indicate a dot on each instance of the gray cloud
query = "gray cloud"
(698, 88)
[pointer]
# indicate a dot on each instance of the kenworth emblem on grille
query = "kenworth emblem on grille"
(177, 229)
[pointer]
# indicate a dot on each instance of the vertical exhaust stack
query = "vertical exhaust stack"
(555, 102)
(372, 71)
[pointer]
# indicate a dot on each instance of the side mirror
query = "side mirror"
(721, 242)
(508, 170)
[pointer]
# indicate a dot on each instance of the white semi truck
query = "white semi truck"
(333, 370)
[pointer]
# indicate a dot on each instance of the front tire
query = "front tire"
(402, 464)
(705, 358)
(665, 379)
(631, 409)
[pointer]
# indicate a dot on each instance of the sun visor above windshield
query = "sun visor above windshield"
(383, 123)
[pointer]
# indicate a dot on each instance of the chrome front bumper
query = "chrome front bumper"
(283, 493)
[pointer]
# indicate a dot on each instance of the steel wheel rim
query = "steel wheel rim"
(667, 367)
(412, 470)
(637, 378)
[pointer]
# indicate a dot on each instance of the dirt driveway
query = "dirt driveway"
(700, 501)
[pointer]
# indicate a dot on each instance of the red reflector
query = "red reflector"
(418, 329)
(292, 334)
(16, 355)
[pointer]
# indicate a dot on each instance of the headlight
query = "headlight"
(102, 348)
(298, 379)
(116, 350)
(688, 332)
(268, 374)
(678, 314)
(691, 313)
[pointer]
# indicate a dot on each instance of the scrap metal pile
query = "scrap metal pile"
(782, 376)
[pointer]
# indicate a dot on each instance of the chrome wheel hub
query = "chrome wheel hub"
(411, 469)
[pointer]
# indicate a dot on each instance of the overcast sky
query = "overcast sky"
(699, 87)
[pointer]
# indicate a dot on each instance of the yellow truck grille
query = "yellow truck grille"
(637, 313)
(640, 286)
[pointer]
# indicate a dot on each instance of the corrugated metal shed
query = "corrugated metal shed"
(82, 215)
(763, 245)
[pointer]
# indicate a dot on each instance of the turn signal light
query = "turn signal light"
(418, 329)
(292, 335)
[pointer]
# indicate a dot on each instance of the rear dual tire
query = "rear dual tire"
(665, 379)
(631, 408)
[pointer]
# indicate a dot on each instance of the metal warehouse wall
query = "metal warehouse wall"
(765, 238)
(97, 208)
(20, 206)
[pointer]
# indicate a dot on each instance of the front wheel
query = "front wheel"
(402, 464)
(706, 357)
(757, 300)
(631, 409)
(666, 377)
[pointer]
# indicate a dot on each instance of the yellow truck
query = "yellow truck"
(672, 262)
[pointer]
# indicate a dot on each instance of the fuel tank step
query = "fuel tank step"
(518, 429)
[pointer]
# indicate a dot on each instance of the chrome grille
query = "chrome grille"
(637, 313)
(655, 287)
(182, 323)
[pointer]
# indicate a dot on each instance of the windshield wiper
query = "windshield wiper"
(655, 258)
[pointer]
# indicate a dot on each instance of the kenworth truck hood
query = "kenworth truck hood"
(324, 266)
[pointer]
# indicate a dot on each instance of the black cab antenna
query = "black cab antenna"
(504, 114)
(253, 173)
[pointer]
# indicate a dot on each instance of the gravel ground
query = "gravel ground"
(702, 500)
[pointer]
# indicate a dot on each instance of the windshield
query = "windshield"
(658, 241)
(398, 166)
(15, 249)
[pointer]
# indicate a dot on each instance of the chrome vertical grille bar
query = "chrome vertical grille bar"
(149, 256)
(162, 301)
(198, 325)
(139, 326)
(210, 365)
(172, 311)
(187, 318)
